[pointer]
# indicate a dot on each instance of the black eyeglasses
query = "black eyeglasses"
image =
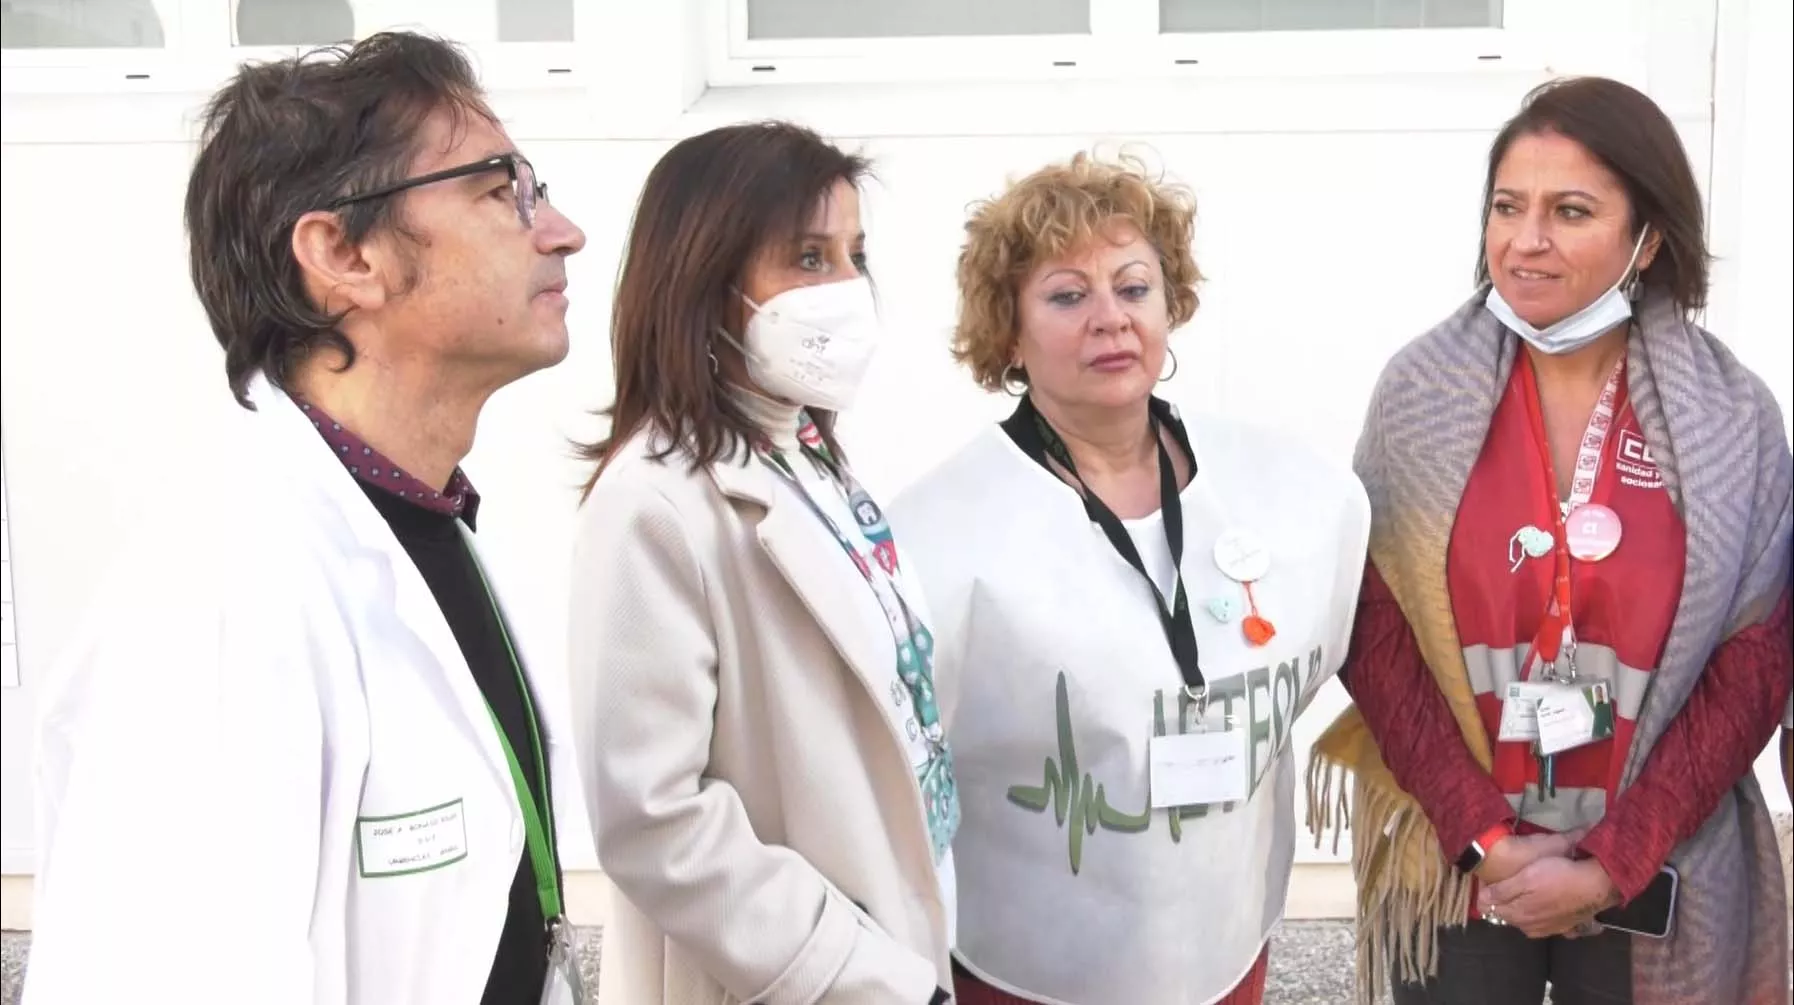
(524, 185)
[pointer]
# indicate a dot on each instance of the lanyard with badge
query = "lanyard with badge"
(562, 984)
(1553, 709)
(1189, 768)
(914, 642)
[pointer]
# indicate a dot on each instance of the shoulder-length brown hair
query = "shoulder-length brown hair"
(713, 203)
(1625, 131)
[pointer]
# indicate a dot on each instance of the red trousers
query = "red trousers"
(969, 990)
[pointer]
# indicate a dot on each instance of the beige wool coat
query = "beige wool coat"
(751, 801)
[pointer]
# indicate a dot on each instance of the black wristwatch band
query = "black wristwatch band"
(1473, 856)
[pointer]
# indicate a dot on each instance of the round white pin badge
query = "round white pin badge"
(1241, 556)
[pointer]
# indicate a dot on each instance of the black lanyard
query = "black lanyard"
(1037, 438)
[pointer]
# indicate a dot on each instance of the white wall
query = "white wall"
(1338, 218)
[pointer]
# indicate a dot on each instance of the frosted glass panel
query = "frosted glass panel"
(537, 20)
(1463, 14)
(1325, 15)
(914, 18)
(80, 24)
(294, 22)
(320, 22)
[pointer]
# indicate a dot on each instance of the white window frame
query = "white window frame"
(199, 54)
(77, 70)
(1125, 43)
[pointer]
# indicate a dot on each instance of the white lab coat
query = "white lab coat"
(267, 667)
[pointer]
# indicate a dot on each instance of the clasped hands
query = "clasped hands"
(1530, 882)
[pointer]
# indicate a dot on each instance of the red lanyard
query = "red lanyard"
(1557, 635)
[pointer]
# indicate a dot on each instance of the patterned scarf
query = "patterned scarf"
(1715, 431)
(913, 639)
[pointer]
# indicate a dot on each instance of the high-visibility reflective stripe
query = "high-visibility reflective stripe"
(1491, 670)
(1569, 808)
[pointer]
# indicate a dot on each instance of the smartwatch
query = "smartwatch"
(1479, 847)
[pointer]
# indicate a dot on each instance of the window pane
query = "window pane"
(1322, 15)
(294, 22)
(1325, 15)
(320, 22)
(912, 18)
(536, 20)
(80, 24)
(1463, 14)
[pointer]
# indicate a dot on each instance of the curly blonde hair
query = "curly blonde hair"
(1051, 212)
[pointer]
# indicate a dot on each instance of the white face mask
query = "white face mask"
(811, 345)
(1581, 328)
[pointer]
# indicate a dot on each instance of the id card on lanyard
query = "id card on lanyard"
(1191, 768)
(561, 985)
(1552, 708)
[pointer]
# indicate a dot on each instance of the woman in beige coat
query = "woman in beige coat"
(752, 668)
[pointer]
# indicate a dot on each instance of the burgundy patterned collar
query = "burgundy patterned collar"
(369, 466)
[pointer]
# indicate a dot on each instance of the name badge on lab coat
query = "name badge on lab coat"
(404, 843)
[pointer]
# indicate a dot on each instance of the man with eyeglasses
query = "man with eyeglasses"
(297, 754)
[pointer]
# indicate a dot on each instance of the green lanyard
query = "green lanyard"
(538, 827)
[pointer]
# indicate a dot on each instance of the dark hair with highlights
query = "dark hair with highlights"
(1629, 135)
(712, 204)
(283, 139)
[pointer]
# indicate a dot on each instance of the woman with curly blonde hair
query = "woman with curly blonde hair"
(1137, 607)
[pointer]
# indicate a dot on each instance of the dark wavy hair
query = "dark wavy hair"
(283, 139)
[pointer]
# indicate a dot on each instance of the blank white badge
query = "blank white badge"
(1194, 769)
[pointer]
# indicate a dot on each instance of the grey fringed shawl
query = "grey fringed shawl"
(1717, 434)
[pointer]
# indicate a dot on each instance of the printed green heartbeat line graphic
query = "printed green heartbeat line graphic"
(1076, 799)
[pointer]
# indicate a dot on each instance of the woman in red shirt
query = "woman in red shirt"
(1573, 637)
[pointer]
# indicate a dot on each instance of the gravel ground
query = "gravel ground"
(1311, 964)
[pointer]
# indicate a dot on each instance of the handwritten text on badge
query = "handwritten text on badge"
(1194, 769)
